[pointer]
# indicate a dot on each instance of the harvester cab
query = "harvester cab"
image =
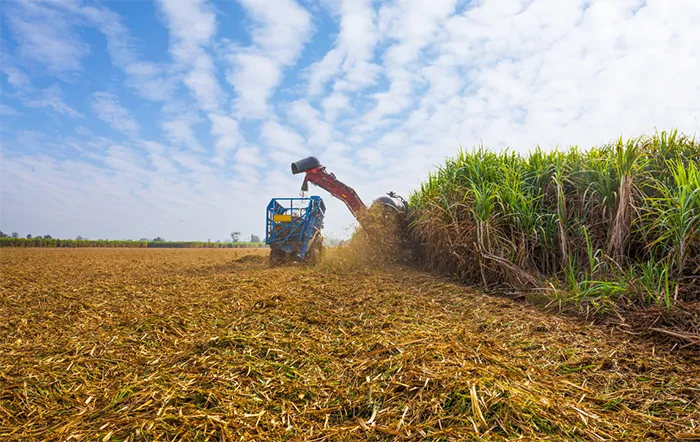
(294, 229)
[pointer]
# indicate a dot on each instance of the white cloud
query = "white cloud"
(412, 25)
(248, 156)
(153, 147)
(157, 154)
(202, 81)
(52, 98)
(284, 144)
(152, 81)
(397, 98)
(577, 79)
(57, 43)
(353, 52)
(319, 133)
(320, 72)
(225, 129)
(109, 109)
(8, 110)
(281, 30)
(124, 159)
(301, 111)
(333, 104)
(254, 77)
(46, 35)
(277, 135)
(179, 131)
(192, 25)
(16, 77)
(371, 157)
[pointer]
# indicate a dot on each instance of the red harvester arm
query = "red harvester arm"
(342, 191)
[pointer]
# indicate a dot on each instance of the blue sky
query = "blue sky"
(180, 119)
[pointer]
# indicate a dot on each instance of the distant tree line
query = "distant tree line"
(13, 240)
(236, 236)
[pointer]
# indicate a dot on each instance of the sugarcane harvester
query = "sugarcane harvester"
(293, 230)
(387, 216)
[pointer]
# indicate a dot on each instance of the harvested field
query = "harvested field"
(192, 344)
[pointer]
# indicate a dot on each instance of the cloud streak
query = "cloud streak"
(353, 55)
(56, 47)
(52, 98)
(8, 110)
(192, 26)
(109, 109)
(281, 29)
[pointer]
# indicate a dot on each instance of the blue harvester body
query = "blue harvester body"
(294, 224)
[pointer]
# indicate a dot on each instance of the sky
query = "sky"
(180, 119)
